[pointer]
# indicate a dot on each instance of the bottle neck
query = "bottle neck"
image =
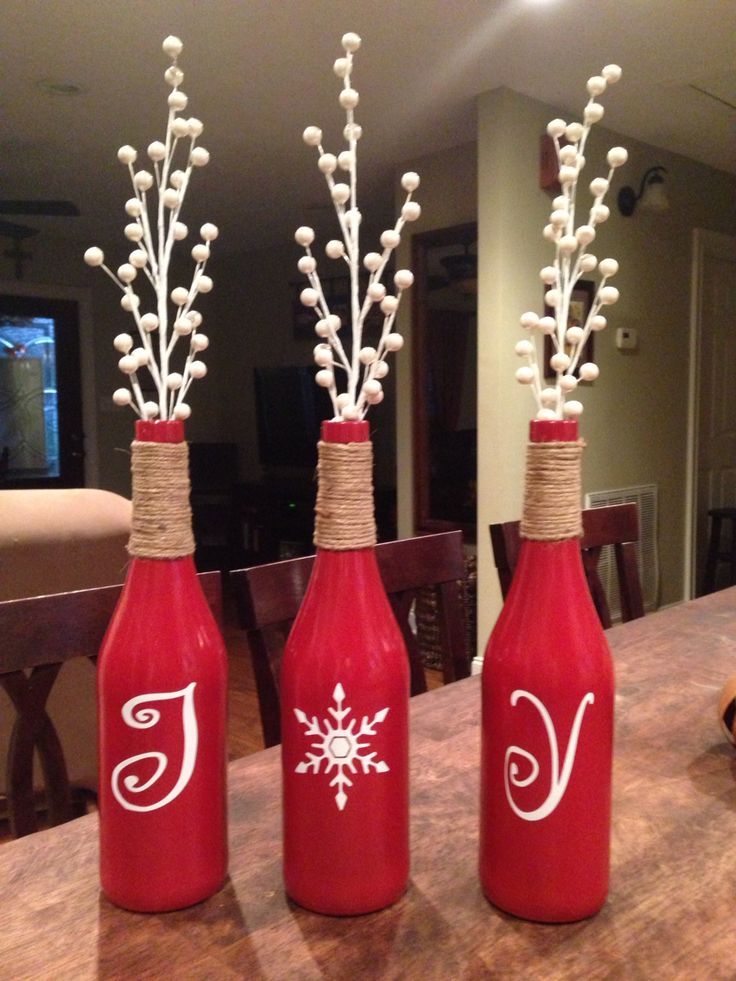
(552, 486)
(344, 518)
(162, 519)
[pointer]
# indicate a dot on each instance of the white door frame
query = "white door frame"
(702, 241)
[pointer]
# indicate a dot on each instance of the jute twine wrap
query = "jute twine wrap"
(344, 511)
(162, 518)
(552, 491)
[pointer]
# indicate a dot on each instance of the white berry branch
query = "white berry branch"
(571, 262)
(364, 366)
(154, 228)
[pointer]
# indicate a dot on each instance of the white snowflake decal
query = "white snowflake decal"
(339, 745)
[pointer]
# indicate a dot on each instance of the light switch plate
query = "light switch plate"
(627, 338)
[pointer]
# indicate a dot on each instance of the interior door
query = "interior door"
(41, 437)
(715, 410)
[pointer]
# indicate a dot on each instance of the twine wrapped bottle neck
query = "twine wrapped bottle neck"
(552, 491)
(344, 518)
(162, 518)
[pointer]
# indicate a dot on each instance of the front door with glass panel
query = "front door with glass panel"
(41, 438)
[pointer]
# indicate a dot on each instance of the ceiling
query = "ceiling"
(258, 71)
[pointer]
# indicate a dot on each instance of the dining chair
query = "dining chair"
(40, 635)
(616, 525)
(268, 599)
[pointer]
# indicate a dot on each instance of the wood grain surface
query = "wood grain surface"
(670, 912)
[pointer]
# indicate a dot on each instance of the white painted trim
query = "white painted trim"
(688, 573)
(83, 298)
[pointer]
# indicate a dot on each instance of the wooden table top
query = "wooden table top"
(670, 913)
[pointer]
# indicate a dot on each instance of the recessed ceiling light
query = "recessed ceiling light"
(58, 88)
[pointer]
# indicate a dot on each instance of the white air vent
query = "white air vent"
(645, 497)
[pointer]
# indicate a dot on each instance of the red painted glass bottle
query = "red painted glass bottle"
(344, 710)
(547, 719)
(162, 703)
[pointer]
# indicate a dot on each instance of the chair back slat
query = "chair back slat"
(56, 628)
(616, 525)
(269, 596)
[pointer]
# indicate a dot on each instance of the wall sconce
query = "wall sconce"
(652, 195)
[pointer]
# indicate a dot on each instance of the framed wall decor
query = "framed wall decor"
(580, 304)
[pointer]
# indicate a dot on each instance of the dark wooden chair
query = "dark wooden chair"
(268, 599)
(616, 525)
(39, 635)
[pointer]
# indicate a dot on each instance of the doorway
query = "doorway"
(444, 338)
(41, 434)
(712, 443)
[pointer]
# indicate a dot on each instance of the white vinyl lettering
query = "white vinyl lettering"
(558, 780)
(146, 718)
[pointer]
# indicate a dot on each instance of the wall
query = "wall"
(448, 196)
(636, 414)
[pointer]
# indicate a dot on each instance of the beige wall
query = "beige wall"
(635, 417)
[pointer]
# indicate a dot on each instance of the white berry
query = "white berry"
(560, 361)
(94, 256)
(199, 157)
(589, 371)
(156, 150)
(411, 211)
(304, 235)
(617, 156)
(123, 343)
(608, 267)
(127, 155)
(127, 364)
(350, 41)
(209, 232)
(335, 249)
(312, 135)
(127, 273)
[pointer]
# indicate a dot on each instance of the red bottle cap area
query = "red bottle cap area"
(345, 432)
(161, 431)
(553, 430)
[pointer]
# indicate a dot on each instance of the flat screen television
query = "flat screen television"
(289, 408)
